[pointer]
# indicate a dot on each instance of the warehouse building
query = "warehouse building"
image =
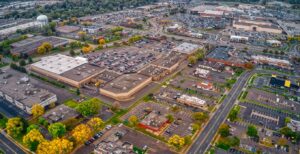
(125, 86)
(72, 71)
(17, 89)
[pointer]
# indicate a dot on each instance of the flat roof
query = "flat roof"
(125, 83)
(59, 63)
(186, 48)
(18, 86)
(67, 29)
(82, 72)
(152, 70)
(220, 52)
(169, 60)
(60, 113)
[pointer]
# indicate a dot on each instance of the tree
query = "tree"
(133, 120)
(22, 62)
(192, 59)
(86, 49)
(14, 127)
(41, 50)
(115, 106)
(252, 131)
(286, 131)
(233, 114)
(33, 139)
(37, 110)
(96, 124)
(102, 41)
(56, 146)
(31, 127)
(282, 141)
(200, 116)
(170, 118)
(176, 141)
(82, 35)
(30, 60)
(72, 52)
(89, 107)
(287, 120)
(81, 133)
(135, 38)
(224, 130)
(57, 129)
(77, 92)
(47, 46)
(195, 127)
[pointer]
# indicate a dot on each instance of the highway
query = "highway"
(202, 143)
(9, 147)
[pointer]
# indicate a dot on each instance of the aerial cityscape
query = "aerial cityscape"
(150, 77)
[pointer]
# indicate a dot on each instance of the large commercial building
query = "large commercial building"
(69, 70)
(30, 45)
(125, 86)
(256, 24)
(187, 48)
(17, 89)
(170, 61)
(260, 59)
(192, 101)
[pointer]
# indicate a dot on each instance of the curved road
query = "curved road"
(203, 141)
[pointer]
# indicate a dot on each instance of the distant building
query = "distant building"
(67, 29)
(256, 24)
(192, 101)
(92, 29)
(292, 29)
(240, 39)
(260, 59)
(294, 125)
(17, 89)
(202, 73)
(205, 85)
(274, 43)
(42, 20)
(187, 48)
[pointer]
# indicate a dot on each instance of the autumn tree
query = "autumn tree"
(81, 133)
(82, 35)
(47, 46)
(96, 124)
(14, 127)
(133, 120)
(282, 141)
(176, 141)
(57, 129)
(41, 50)
(86, 49)
(33, 139)
(37, 110)
(56, 146)
(192, 59)
(102, 41)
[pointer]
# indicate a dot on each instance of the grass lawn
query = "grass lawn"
(71, 103)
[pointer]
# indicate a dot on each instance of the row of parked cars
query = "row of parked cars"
(97, 135)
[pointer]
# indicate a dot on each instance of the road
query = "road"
(9, 147)
(203, 141)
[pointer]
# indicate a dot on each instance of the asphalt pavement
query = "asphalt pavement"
(9, 147)
(202, 143)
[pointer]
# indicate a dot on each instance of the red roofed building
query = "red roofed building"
(205, 85)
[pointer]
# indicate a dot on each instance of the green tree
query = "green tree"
(192, 59)
(133, 120)
(57, 129)
(22, 62)
(252, 131)
(31, 127)
(200, 116)
(89, 107)
(233, 114)
(170, 118)
(224, 130)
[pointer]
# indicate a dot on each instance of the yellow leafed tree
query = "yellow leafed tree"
(81, 133)
(33, 139)
(41, 50)
(102, 41)
(86, 49)
(56, 146)
(37, 110)
(176, 141)
(14, 127)
(95, 124)
(47, 46)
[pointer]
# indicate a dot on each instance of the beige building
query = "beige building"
(125, 86)
(257, 24)
(72, 71)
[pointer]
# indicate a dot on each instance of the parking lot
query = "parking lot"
(248, 116)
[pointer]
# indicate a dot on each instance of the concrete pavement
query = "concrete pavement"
(202, 143)
(8, 146)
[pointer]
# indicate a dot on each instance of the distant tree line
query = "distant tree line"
(79, 8)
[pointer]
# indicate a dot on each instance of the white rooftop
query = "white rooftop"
(59, 63)
(192, 99)
(186, 48)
